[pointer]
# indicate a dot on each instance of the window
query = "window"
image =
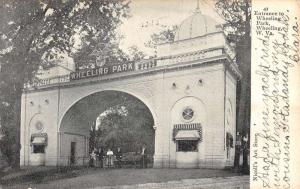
(229, 143)
(229, 140)
(187, 145)
(37, 149)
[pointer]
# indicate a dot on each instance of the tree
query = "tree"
(109, 53)
(128, 123)
(237, 14)
(136, 54)
(164, 36)
(36, 30)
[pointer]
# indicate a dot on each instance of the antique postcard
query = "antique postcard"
(149, 94)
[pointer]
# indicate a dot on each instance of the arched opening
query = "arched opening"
(107, 121)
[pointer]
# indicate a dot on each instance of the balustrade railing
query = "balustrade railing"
(146, 64)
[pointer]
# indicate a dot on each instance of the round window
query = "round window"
(39, 125)
(188, 114)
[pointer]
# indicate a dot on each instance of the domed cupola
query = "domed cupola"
(196, 25)
(198, 33)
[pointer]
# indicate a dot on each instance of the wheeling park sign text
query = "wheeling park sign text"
(101, 71)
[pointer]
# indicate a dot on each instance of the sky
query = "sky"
(150, 16)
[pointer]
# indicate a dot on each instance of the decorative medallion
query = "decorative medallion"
(188, 114)
(100, 60)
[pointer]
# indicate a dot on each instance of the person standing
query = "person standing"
(144, 157)
(93, 158)
(100, 157)
(119, 157)
(110, 155)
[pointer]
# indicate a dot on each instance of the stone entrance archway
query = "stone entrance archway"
(187, 67)
(135, 126)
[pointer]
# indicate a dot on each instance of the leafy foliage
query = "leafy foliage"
(128, 124)
(108, 54)
(237, 14)
(164, 36)
(136, 54)
(32, 32)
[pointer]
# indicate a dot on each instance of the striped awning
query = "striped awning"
(187, 131)
(187, 135)
(189, 126)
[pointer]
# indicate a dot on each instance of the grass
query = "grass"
(80, 177)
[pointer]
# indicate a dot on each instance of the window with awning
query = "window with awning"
(38, 142)
(187, 140)
(187, 137)
(39, 139)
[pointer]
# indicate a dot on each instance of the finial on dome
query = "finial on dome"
(198, 8)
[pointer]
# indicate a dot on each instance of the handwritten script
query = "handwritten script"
(277, 34)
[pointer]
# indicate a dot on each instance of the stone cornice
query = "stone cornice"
(132, 74)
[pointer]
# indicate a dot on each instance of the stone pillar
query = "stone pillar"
(22, 130)
(157, 149)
